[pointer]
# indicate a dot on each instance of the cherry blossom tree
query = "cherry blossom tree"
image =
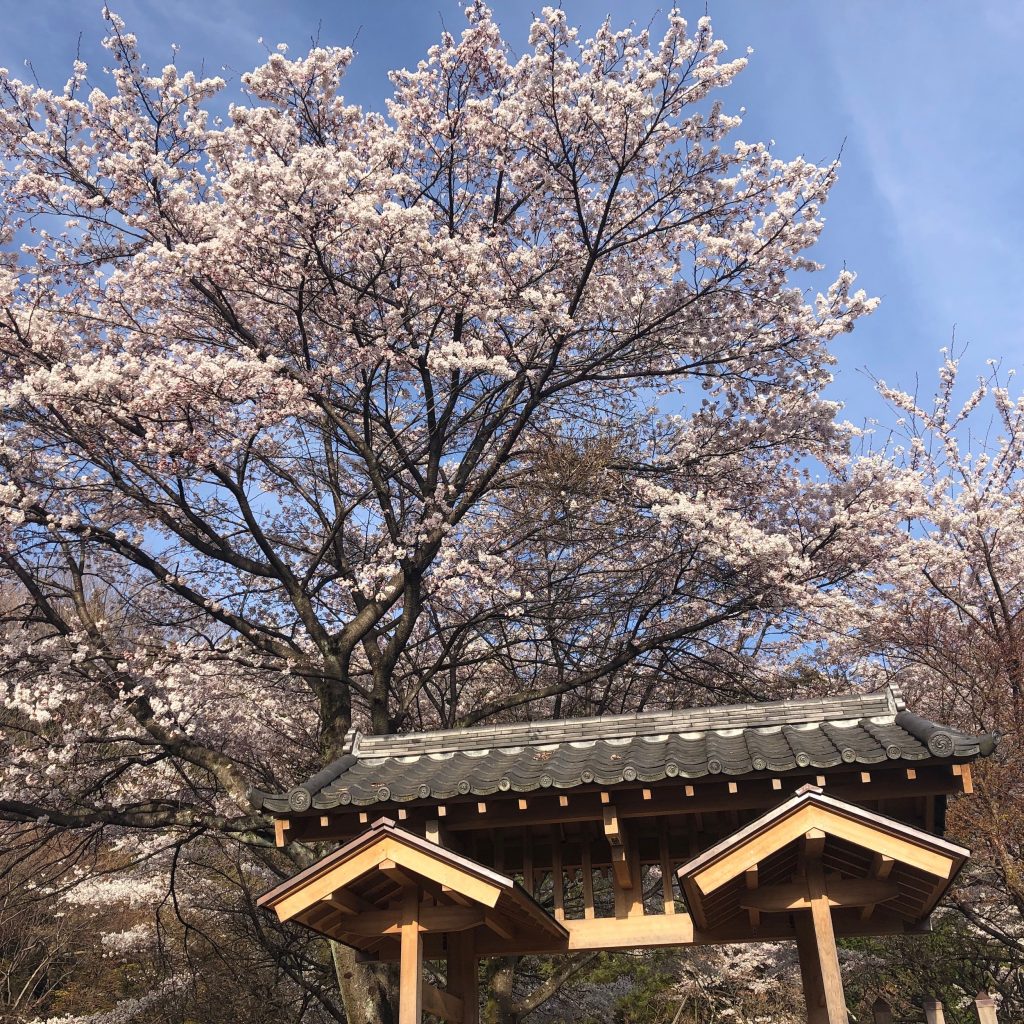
(947, 623)
(504, 402)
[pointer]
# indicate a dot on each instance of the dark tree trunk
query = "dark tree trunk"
(369, 991)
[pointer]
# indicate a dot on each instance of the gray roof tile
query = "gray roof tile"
(776, 737)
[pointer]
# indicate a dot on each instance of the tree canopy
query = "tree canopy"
(505, 402)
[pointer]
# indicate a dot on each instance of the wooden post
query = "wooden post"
(933, 1012)
(410, 985)
(588, 882)
(985, 1008)
(825, 940)
(557, 875)
(463, 978)
(667, 895)
(881, 1011)
(635, 895)
(810, 969)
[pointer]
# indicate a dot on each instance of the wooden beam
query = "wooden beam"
(442, 1004)
(410, 971)
(528, 863)
(635, 892)
(397, 875)
(825, 939)
(620, 868)
(667, 799)
(455, 896)
(496, 925)
(777, 899)
(430, 919)
(667, 895)
(348, 902)
(588, 883)
(557, 876)
(963, 772)
(750, 881)
(617, 838)
(813, 844)
(881, 868)
(655, 931)
(613, 830)
(281, 825)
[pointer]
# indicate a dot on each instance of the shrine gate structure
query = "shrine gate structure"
(805, 820)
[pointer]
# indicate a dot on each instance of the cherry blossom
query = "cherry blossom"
(501, 402)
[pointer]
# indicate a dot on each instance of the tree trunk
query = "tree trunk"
(500, 1005)
(369, 991)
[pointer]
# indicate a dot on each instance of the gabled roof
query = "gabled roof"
(776, 737)
(350, 894)
(904, 869)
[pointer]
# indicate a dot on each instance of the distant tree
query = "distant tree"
(502, 403)
(948, 625)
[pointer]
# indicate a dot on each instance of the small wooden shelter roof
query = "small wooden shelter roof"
(734, 740)
(354, 894)
(868, 860)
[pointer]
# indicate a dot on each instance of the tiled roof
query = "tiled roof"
(733, 740)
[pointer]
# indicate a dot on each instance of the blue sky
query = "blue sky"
(924, 97)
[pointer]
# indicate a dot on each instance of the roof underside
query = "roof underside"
(734, 740)
(853, 840)
(352, 894)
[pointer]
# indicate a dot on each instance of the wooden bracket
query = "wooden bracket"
(281, 825)
(777, 899)
(750, 881)
(616, 835)
(442, 1004)
(963, 773)
(881, 869)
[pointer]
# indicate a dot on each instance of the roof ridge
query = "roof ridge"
(777, 736)
(701, 719)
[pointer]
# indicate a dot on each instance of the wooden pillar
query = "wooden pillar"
(810, 969)
(985, 1008)
(825, 942)
(933, 1012)
(410, 983)
(463, 977)
(881, 1011)
(635, 895)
